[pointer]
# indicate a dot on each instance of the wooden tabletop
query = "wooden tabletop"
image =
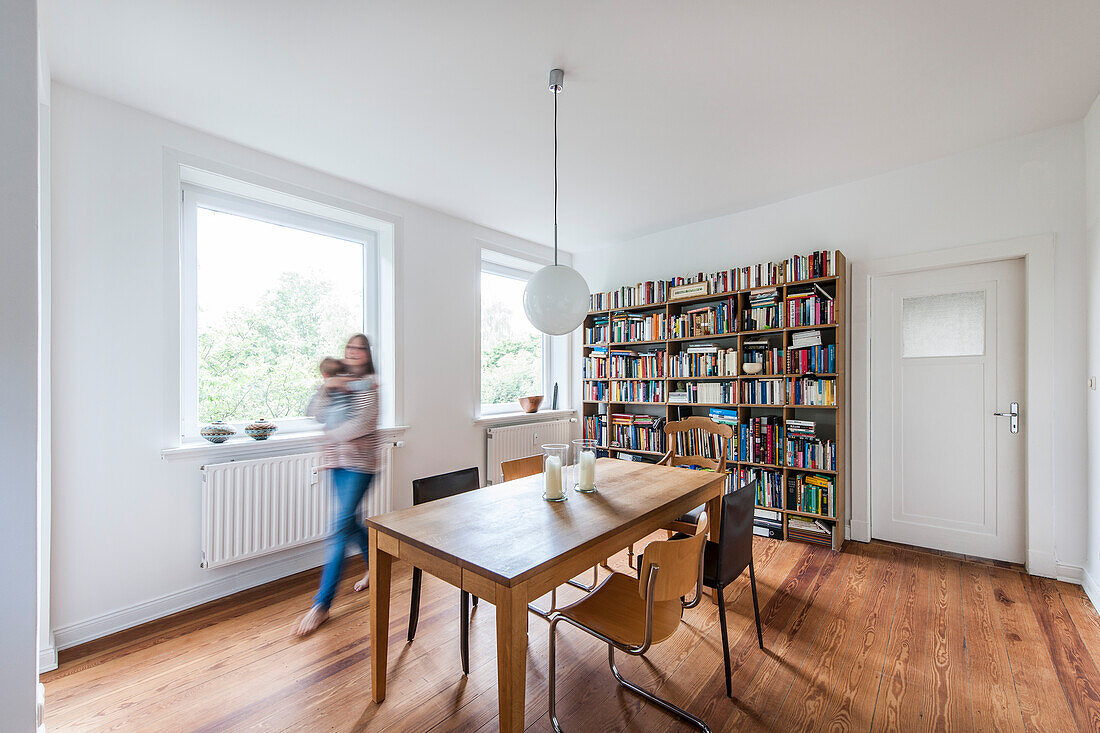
(508, 533)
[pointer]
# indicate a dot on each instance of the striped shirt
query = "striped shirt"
(353, 444)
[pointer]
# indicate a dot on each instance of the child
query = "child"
(340, 397)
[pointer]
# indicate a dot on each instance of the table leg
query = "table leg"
(380, 563)
(511, 604)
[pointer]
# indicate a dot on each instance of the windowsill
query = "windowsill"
(518, 418)
(244, 448)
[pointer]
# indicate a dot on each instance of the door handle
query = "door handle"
(1013, 416)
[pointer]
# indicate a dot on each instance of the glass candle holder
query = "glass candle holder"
(555, 458)
(584, 466)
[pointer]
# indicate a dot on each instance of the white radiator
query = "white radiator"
(520, 441)
(253, 508)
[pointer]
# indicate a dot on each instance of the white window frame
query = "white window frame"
(517, 268)
(194, 196)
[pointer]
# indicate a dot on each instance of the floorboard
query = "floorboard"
(877, 637)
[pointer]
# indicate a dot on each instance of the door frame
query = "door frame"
(1037, 253)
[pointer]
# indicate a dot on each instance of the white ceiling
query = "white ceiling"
(672, 111)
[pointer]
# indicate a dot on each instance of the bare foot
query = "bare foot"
(363, 584)
(311, 621)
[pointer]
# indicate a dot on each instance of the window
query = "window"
(515, 357)
(950, 324)
(267, 291)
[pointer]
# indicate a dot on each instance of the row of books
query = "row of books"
(704, 360)
(763, 391)
(699, 443)
(769, 486)
(704, 321)
(595, 428)
(637, 432)
(811, 391)
(819, 359)
(813, 531)
(763, 353)
(647, 391)
(595, 391)
(655, 292)
(724, 393)
(626, 327)
(763, 311)
(811, 493)
(594, 364)
(599, 331)
(760, 440)
(815, 454)
(637, 365)
(811, 307)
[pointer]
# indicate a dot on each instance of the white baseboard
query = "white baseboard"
(1091, 588)
(1070, 573)
(859, 530)
(47, 658)
(304, 558)
(1042, 563)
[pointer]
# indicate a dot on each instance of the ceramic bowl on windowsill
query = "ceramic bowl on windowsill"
(530, 404)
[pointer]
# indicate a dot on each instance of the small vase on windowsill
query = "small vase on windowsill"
(262, 429)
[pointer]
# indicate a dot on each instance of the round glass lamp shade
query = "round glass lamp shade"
(556, 300)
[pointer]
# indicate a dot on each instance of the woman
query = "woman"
(351, 451)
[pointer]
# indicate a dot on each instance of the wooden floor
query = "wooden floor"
(877, 637)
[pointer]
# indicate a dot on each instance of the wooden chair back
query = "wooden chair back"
(679, 564)
(521, 467)
(706, 427)
(445, 484)
(735, 534)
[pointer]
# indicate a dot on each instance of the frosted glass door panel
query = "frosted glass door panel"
(950, 324)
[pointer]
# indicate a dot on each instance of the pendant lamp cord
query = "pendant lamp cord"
(555, 179)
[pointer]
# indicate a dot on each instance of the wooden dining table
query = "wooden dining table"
(507, 545)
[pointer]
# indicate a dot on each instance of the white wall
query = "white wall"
(125, 522)
(1027, 185)
(18, 362)
(1092, 273)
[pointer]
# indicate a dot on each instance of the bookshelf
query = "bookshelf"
(645, 353)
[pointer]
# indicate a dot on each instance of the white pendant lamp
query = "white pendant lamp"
(556, 297)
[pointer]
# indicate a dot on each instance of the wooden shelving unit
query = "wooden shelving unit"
(830, 420)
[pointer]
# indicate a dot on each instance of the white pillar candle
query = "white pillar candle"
(552, 473)
(587, 473)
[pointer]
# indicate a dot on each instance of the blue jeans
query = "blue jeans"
(349, 487)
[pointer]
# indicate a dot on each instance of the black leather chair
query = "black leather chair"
(430, 489)
(725, 560)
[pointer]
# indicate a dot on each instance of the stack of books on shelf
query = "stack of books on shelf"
(595, 391)
(637, 365)
(595, 428)
(761, 352)
(811, 391)
(812, 494)
(761, 440)
(648, 391)
(810, 306)
(768, 523)
(805, 339)
(637, 432)
(814, 531)
(763, 311)
(708, 320)
(801, 429)
(819, 359)
(598, 332)
(717, 393)
(808, 267)
(704, 360)
(763, 391)
(594, 365)
(625, 327)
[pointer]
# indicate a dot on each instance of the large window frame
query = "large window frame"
(518, 268)
(194, 196)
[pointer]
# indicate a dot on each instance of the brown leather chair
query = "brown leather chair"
(632, 614)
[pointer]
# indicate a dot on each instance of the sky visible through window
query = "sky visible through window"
(511, 348)
(272, 301)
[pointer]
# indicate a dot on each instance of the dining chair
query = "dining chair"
(518, 468)
(673, 457)
(726, 559)
(632, 614)
(430, 489)
(521, 467)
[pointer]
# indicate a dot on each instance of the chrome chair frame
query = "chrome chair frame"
(637, 651)
(545, 615)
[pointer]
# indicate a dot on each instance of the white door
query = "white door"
(947, 352)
